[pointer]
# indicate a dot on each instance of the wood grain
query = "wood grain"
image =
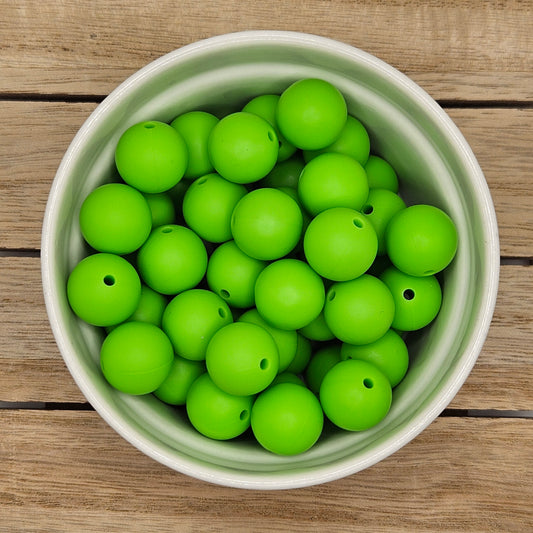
(466, 50)
(457, 475)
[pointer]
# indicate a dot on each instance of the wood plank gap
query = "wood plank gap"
(484, 104)
(52, 97)
(487, 413)
(47, 406)
(19, 252)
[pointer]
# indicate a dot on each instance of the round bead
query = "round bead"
(150, 308)
(208, 205)
(103, 289)
(421, 240)
(181, 376)
(287, 377)
(192, 318)
(380, 174)
(162, 208)
(285, 174)
(355, 395)
(243, 147)
(115, 218)
(287, 419)
(136, 357)
(215, 413)
(332, 180)
(311, 114)
(242, 358)
(288, 294)
(417, 300)
(359, 311)
(266, 224)
(302, 356)
(151, 156)
(317, 330)
(173, 259)
(195, 128)
(319, 365)
(340, 244)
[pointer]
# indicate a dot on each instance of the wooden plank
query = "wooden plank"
(465, 50)
(33, 370)
(38, 133)
(460, 474)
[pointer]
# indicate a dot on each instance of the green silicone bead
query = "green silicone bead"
(103, 289)
(151, 156)
(389, 354)
(242, 358)
(115, 218)
(417, 300)
(332, 180)
(136, 357)
(264, 106)
(181, 376)
(232, 275)
(340, 244)
(352, 141)
(243, 147)
(195, 128)
(320, 364)
(192, 318)
(177, 193)
(317, 330)
(355, 395)
(172, 260)
(311, 114)
(302, 356)
(162, 208)
(359, 311)
(287, 377)
(286, 341)
(285, 174)
(150, 308)
(380, 174)
(288, 294)
(215, 413)
(380, 206)
(287, 419)
(208, 206)
(266, 224)
(421, 240)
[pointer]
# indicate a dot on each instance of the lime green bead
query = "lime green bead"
(302, 356)
(380, 174)
(417, 300)
(359, 311)
(215, 413)
(172, 260)
(285, 174)
(136, 357)
(195, 128)
(162, 208)
(266, 224)
(287, 377)
(208, 205)
(287, 419)
(421, 240)
(355, 395)
(183, 373)
(311, 114)
(317, 330)
(150, 308)
(389, 354)
(340, 244)
(242, 358)
(243, 147)
(103, 289)
(288, 294)
(320, 364)
(151, 156)
(115, 218)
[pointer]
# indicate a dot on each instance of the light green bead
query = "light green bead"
(380, 174)
(285, 174)
(302, 356)
(162, 208)
(317, 330)
(181, 376)
(320, 364)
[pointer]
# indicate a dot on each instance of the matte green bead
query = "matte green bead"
(287, 377)
(380, 174)
(320, 364)
(150, 308)
(302, 356)
(317, 330)
(181, 376)
(162, 208)
(285, 174)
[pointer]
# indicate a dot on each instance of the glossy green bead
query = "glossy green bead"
(302, 356)
(421, 240)
(208, 205)
(172, 260)
(151, 156)
(285, 174)
(115, 218)
(288, 294)
(320, 364)
(162, 208)
(287, 419)
(359, 311)
(417, 300)
(243, 147)
(136, 357)
(215, 413)
(311, 114)
(182, 374)
(389, 354)
(103, 289)
(355, 395)
(242, 358)
(380, 174)
(340, 244)
(195, 128)
(266, 224)
(317, 330)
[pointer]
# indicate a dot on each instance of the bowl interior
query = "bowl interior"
(407, 128)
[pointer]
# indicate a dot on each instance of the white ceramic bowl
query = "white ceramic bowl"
(407, 127)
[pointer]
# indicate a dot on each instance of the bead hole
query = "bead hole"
(357, 223)
(149, 126)
(224, 293)
(243, 415)
(368, 383)
(408, 294)
(201, 181)
(368, 209)
(221, 312)
(271, 136)
(263, 364)
(332, 295)
(166, 230)
(109, 280)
